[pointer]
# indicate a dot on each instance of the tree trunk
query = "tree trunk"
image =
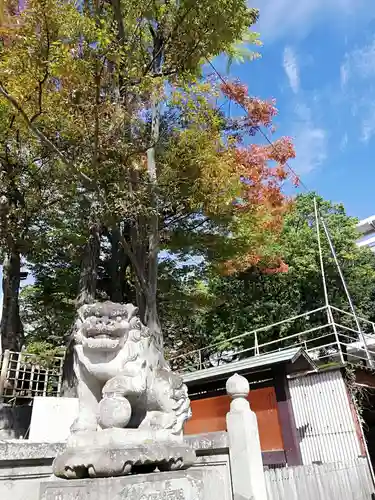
(153, 240)
(152, 319)
(11, 328)
(117, 267)
(127, 292)
(89, 269)
(86, 295)
(141, 301)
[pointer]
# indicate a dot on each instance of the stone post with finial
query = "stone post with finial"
(244, 444)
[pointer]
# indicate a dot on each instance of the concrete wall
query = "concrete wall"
(24, 465)
(51, 419)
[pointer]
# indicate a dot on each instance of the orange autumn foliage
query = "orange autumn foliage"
(263, 168)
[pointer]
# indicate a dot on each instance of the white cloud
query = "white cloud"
(291, 68)
(311, 147)
(310, 140)
(344, 74)
(344, 142)
(357, 75)
(364, 60)
(368, 125)
(279, 18)
(359, 63)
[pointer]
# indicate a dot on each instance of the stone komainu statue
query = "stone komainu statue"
(132, 408)
(123, 379)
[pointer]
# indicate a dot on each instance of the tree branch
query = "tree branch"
(116, 5)
(96, 119)
(46, 72)
(175, 218)
(43, 138)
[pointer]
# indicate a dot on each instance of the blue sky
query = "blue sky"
(318, 61)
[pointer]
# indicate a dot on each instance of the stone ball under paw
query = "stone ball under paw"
(114, 412)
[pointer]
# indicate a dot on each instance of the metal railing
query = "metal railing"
(24, 376)
(330, 335)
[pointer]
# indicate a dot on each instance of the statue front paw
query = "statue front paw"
(84, 423)
(123, 386)
(157, 420)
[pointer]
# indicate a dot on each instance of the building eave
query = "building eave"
(366, 225)
(295, 360)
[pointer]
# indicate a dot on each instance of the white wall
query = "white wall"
(51, 419)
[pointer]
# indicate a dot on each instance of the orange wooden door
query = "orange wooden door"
(209, 416)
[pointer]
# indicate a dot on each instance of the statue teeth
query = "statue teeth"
(101, 342)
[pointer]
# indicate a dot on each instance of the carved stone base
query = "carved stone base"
(179, 485)
(116, 457)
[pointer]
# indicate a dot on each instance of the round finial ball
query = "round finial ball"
(237, 386)
(114, 412)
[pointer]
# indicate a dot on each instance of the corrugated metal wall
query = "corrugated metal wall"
(325, 425)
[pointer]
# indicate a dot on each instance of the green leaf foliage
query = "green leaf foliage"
(251, 300)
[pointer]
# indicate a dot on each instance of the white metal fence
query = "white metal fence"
(329, 335)
(338, 481)
(24, 376)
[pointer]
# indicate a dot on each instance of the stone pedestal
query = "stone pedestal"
(119, 452)
(179, 485)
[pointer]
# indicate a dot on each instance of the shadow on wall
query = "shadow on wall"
(14, 421)
(302, 431)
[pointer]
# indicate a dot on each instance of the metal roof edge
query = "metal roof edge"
(263, 361)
